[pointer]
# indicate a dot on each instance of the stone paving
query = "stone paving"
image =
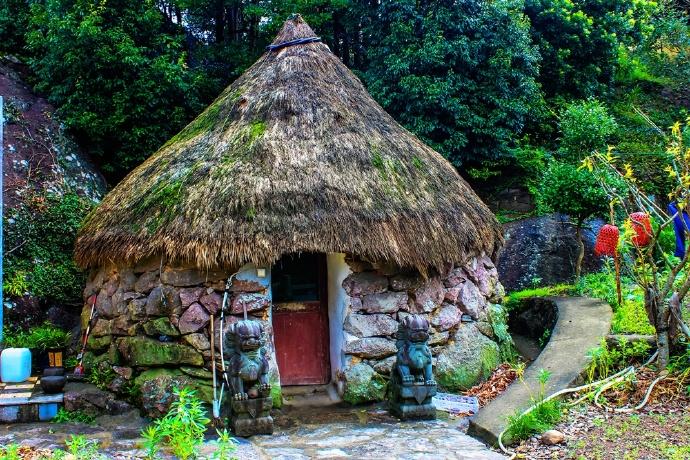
(301, 433)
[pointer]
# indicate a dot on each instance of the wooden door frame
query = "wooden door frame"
(323, 308)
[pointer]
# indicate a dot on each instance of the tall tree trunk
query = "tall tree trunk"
(219, 19)
(581, 252)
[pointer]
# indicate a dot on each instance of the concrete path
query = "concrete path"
(582, 322)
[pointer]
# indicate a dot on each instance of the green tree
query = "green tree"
(117, 75)
(585, 126)
(459, 74)
(567, 189)
(578, 41)
(14, 20)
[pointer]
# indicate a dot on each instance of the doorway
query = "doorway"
(300, 319)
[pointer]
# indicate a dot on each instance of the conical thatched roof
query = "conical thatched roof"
(293, 156)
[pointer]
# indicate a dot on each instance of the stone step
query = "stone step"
(26, 402)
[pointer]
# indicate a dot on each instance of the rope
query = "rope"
(617, 376)
(297, 41)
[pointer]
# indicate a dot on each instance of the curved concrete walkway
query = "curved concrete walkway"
(581, 324)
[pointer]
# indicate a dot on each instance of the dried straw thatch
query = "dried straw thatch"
(293, 156)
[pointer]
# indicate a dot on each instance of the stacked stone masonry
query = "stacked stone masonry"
(153, 319)
(457, 303)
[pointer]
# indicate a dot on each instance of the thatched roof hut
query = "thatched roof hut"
(294, 156)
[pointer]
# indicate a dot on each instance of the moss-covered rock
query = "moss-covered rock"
(140, 351)
(363, 385)
(99, 344)
(470, 358)
(160, 326)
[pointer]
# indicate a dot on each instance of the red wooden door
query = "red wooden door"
(300, 319)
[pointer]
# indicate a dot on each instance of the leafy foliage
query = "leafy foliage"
(117, 74)
(578, 41)
(461, 75)
(181, 429)
(65, 416)
(540, 418)
(605, 359)
(39, 244)
(569, 190)
(585, 126)
(101, 375)
(41, 337)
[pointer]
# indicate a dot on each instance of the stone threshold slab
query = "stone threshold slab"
(23, 393)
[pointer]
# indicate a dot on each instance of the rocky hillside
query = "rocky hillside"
(48, 186)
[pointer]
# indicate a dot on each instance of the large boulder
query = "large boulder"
(193, 319)
(545, 249)
(428, 296)
(468, 359)
(363, 384)
(446, 317)
(157, 387)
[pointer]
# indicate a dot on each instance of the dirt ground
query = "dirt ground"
(661, 430)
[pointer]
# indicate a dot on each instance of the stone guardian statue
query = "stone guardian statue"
(412, 383)
(247, 368)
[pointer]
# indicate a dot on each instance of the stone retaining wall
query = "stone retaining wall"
(153, 325)
(458, 305)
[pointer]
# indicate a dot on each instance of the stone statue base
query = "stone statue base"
(251, 416)
(413, 401)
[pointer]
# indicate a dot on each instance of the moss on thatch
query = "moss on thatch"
(293, 156)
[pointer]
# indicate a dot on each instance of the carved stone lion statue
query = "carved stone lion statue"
(412, 384)
(248, 366)
(413, 361)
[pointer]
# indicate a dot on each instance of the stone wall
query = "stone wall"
(458, 304)
(153, 328)
(153, 325)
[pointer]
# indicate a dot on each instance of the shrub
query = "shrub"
(569, 190)
(181, 429)
(459, 74)
(40, 337)
(585, 126)
(65, 416)
(39, 243)
(578, 41)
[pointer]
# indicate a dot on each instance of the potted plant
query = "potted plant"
(49, 343)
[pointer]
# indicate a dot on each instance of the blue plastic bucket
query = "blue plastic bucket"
(15, 365)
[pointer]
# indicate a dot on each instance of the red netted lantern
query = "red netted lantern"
(607, 241)
(643, 228)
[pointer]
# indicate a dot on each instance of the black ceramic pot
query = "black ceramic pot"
(53, 384)
(52, 371)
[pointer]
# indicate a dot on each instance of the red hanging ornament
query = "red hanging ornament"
(607, 241)
(643, 229)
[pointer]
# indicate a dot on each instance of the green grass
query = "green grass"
(540, 419)
(514, 299)
(77, 416)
